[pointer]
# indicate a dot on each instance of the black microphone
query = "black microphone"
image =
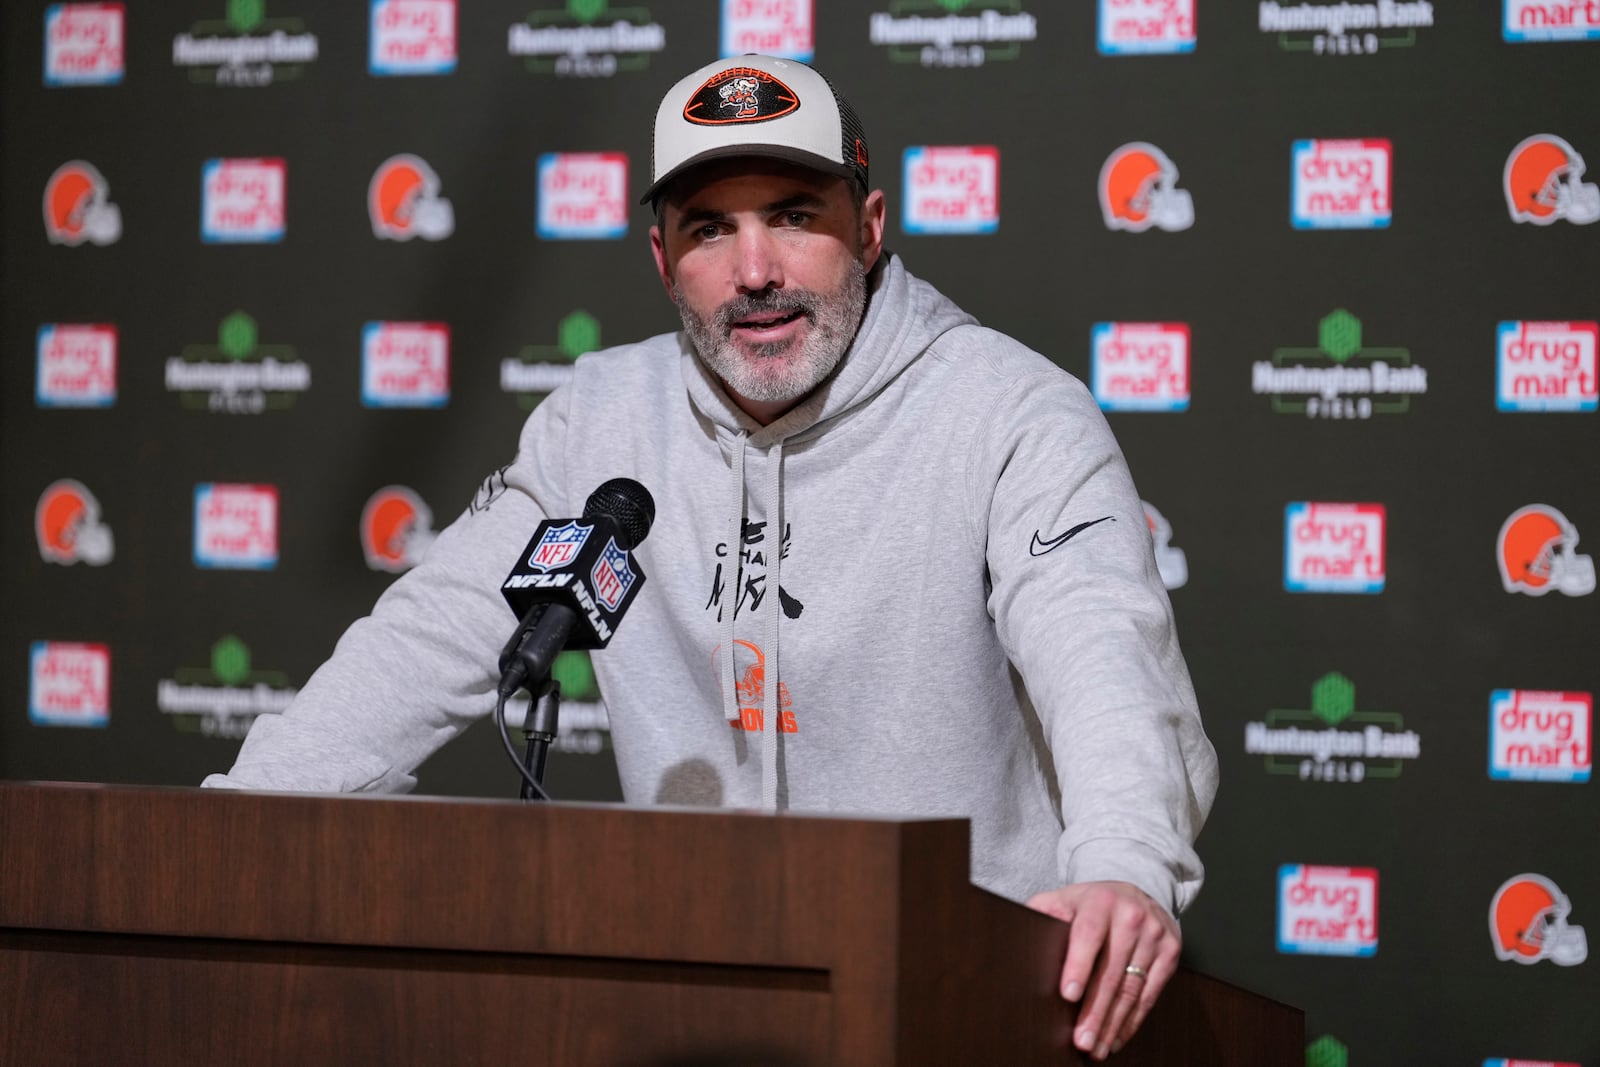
(574, 580)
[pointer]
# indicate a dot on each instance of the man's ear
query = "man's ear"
(872, 215)
(658, 249)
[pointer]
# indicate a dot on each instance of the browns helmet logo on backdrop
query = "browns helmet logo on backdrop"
(1528, 922)
(403, 201)
(1543, 183)
(67, 522)
(396, 529)
(1138, 191)
(78, 207)
(1536, 554)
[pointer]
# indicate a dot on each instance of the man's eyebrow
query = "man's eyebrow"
(693, 218)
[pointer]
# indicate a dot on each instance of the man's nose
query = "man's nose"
(760, 264)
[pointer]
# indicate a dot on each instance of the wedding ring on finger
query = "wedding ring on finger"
(1134, 969)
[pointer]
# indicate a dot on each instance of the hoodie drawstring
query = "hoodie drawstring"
(771, 724)
(730, 698)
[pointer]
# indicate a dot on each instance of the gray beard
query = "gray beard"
(780, 371)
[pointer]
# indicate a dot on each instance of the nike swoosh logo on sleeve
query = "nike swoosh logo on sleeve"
(1040, 546)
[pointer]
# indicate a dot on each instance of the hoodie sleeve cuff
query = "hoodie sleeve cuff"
(1114, 860)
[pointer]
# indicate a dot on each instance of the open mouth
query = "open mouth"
(764, 323)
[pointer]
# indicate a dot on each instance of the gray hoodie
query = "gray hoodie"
(939, 556)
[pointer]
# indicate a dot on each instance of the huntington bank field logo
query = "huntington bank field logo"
(1340, 378)
(243, 201)
(78, 207)
(586, 39)
(235, 526)
(1335, 28)
(222, 700)
(952, 33)
(237, 375)
(951, 189)
(413, 37)
(245, 48)
(76, 366)
(1542, 21)
(1146, 27)
(1327, 1051)
(1327, 911)
(1540, 737)
(583, 196)
(405, 365)
(1341, 185)
(1140, 366)
(1333, 548)
(1332, 741)
(1547, 366)
(782, 28)
(69, 684)
(539, 370)
(83, 44)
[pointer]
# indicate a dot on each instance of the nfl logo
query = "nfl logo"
(559, 546)
(612, 577)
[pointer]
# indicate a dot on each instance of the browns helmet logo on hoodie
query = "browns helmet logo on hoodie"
(740, 94)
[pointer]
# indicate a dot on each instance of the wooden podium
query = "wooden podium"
(152, 926)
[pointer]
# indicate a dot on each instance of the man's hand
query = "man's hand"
(1117, 933)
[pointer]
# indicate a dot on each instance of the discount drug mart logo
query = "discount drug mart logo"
(951, 189)
(83, 44)
(1537, 736)
(412, 37)
(1146, 27)
(405, 365)
(1327, 911)
(1140, 366)
(1341, 185)
(1543, 21)
(1547, 366)
(243, 201)
(1334, 548)
(76, 366)
(783, 28)
(583, 195)
(235, 526)
(69, 684)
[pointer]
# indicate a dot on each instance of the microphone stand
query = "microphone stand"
(538, 731)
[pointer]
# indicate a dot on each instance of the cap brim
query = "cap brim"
(783, 152)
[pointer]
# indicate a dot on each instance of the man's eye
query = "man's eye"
(708, 231)
(795, 218)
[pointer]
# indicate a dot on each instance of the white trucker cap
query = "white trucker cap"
(755, 106)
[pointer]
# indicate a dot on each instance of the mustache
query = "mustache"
(768, 302)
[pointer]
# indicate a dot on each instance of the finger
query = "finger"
(1083, 945)
(1116, 992)
(1122, 930)
(1160, 971)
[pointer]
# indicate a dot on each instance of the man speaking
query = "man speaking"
(898, 565)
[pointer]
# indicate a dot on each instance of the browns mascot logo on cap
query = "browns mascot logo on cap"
(740, 94)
